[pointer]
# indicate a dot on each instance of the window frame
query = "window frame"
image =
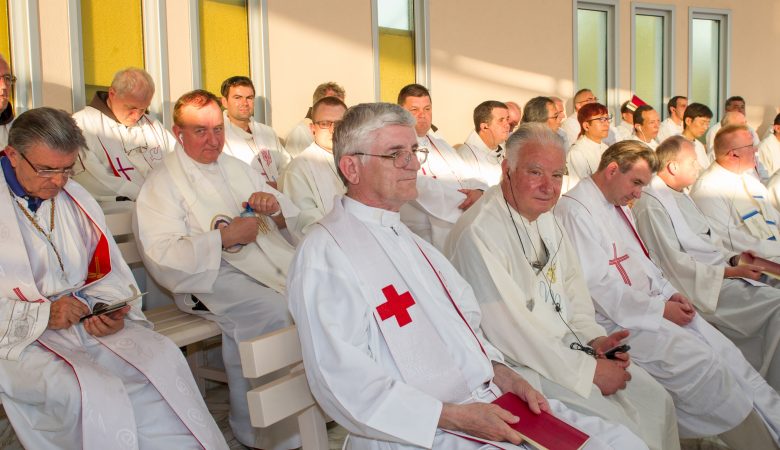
(667, 12)
(25, 57)
(723, 16)
(612, 8)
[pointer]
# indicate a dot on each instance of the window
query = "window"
(594, 49)
(112, 39)
(652, 42)
(400, 45)
(224, 41)
(709, 58)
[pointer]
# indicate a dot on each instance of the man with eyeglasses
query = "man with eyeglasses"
(70, 378)
(214, 233)
(6, 108)
(715, 389)
(646, 124)
(124, 143)
(311, 181)
(445, 184)
(734, 200)
(483, 150)
(389, 330)
(734, 104)
(247, 139)
(300, 137)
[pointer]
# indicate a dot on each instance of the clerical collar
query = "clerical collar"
(33, 203)
(371, 214)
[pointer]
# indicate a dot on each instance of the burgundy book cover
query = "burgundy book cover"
(544, 431)
(770, 268)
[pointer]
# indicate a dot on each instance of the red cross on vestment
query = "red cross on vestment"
(396, 305)
(617, 263)
(123, 169)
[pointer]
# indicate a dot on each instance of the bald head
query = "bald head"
(733, 118)
(515, 114)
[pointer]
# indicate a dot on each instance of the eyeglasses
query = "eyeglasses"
(555, 116)
(9, 79)
(601, 119)
(326, 124)
(750, 146)
(402, 159)
(48, 173)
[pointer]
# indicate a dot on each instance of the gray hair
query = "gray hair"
(531, 133)
(53, 128)
(132, 81)
(355, 131)
(535, 111)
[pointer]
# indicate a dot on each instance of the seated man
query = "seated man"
(311, 181)
(6, 108)
(300, 137)
(400, 364)
(123, 142)
(715, 390)
(626, 128)
(444, 184)
(482, 150)
(696, 120)
(646, 123)
(673, 124)
(67, 380)
(769, 149)
(226, 268)
(681, 242)
(247, 139)
(532, 294)
(733, 104)
(734, 201)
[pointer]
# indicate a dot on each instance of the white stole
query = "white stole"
(268, 258)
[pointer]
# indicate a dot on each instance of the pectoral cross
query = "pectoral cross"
(396, 306)
(616, 261)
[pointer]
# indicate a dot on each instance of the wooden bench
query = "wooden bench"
(288, 395)
(185, 330)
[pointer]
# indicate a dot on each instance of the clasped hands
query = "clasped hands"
(68, 310)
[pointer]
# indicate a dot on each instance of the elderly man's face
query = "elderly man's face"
(651, 124)
(5, 87)
(535, 184)
(553, 117)
(41, 157)
(323, 122)
(381, 184)
(686, 164)
(622, 188)
(240, 103)
(515, 114)
(583, 99)
(422, 110)
(202, 132)
(741, 151)
(128, 108)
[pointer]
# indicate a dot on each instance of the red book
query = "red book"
(770, 268)
(544, 431)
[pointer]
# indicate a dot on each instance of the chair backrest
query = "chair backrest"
(120, 223)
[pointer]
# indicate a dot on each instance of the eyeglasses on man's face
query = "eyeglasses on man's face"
(8, 79)
(402, 159)
(49, 173)
(326, 124)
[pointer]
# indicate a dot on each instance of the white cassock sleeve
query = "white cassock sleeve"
(625, 306)
(699, 282)
(297, 188)
(98, 179)
(342, 354)
(179, 259)
(516, 331)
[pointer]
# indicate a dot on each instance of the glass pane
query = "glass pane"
(224, 41)
(396, 48)
(649, 60)
(113, 39)
(592, 52)
(705, 62)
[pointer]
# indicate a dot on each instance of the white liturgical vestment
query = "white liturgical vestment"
(653, 144)
(773, 186)
(6, 120)
(485, 163)
(624, 131)
(739, 210)
(435, 210)
(769, 154)
(299, 138)
(261, 148)
(713, 386)
(527, 312)
(681, 241)
(311, 182)
(668, 129)
(118, 158)
(352, 370)
(66, 388)
(583, 158)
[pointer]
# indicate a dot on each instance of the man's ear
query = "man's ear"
(223, 100)
(348, 166)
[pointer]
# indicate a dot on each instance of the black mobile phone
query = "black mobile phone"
(610, 354)
(103, 308)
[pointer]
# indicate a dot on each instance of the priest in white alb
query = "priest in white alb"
(680, 240)
(715, 390)
(769, 149)
(733, 200)
(311, 181)
(389, 330)
(124, 143)
(483, 149)
(532, 294)
(673, 124)
(646, 123)
(445, 186)
(214, 233)
(300, 137)
(247, 139)
(70, 379)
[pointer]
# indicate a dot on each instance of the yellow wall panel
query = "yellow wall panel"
(396, 62)
(224, 41)
(112, 37)
(5, 41)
